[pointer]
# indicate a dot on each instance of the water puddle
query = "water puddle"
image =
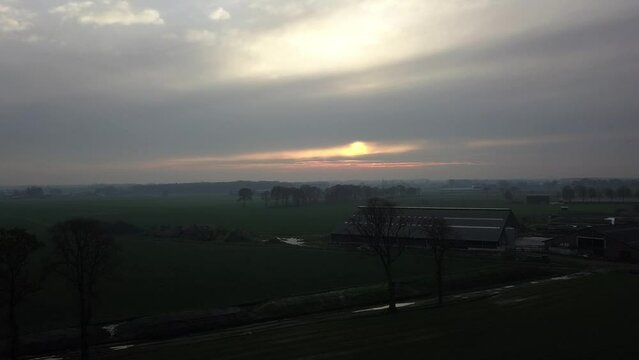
(292, 241)
(514, 300)
(385, 307)
(121, 347)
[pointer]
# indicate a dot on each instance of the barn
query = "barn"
(614, 242)
(472, 228)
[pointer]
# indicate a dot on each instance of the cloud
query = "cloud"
(510, 142)
(200, 36)
(13, 19)
(219, 15)
(107, 12)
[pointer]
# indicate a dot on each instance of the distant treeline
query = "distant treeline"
(308, 194)
(198, 188)
(582, 192)
(576, 189)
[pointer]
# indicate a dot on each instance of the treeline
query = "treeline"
(32, 192)
(344, 193)
(287, 195)
(308, 194)
(583, 193)
(197, 188)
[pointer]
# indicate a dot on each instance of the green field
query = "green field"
(156, 275)
(146, 212)
(161, 276)
(222, 210)
(594, 317)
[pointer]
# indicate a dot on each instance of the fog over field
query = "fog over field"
(159, 91)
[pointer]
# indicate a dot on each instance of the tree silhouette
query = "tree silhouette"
(438, 240)
(582, 192)
(266, 197)
(383, 227)
(244, 195)
(508, 195)
(16, 249)
(623, 192)
(84, 251)
(567, 193)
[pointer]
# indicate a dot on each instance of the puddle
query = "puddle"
(571, 276)
(514, 301)
(292, 241)
(48, 358)
(385, 307)
(121, 347)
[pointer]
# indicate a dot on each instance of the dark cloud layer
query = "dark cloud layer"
(92, 103)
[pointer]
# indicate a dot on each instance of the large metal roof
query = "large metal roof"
(468, 224)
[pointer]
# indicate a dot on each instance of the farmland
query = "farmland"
(316, 219)
(161, 275)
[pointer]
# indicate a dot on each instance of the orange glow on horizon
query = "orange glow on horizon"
(349, 151)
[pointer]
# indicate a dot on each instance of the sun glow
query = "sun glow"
(353, 150)
(357, 148)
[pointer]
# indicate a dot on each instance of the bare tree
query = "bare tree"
(508, 195)
(383, 227)
(16, 249)
(84, 251)
(244, 195)
(568, 193)
(610, 193)
(438, 240)
(623, 192)
(582, 192)
(266, 197)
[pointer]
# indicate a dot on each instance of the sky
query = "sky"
(109, 91)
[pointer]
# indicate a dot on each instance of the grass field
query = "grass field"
(162, 276)
(594, 317)
(322, 218)
(146, 212)
(155, 276)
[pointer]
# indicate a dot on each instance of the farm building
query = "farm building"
(537, 199)
(485, 228)
(615, 242)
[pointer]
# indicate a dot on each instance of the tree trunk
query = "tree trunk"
(13, 324)
(438, 273)
(392, 303)
(84, 324)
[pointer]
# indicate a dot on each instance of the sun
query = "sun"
(356, 148)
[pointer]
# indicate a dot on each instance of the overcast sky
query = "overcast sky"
(174, 91)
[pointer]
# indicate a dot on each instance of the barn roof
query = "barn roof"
(470, 224)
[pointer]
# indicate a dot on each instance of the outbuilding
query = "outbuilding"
(614, 242)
